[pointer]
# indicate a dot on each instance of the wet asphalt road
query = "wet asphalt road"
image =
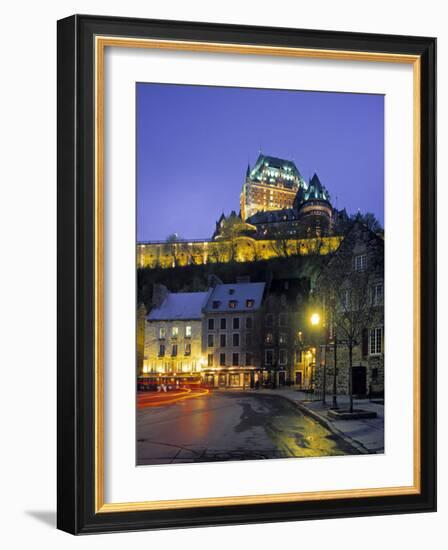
(231, 426)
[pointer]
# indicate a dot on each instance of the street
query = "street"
(221, 426)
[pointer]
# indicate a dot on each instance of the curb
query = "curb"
(359, 447)
(356, 445)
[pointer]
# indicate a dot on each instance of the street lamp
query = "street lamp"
(315, 321)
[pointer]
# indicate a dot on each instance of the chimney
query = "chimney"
(159, 293)
(213, 280)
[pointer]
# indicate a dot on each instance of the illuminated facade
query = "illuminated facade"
(229, 335)
(272, 184)
(173, 337)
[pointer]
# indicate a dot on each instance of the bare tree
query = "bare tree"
(280, 245)
(344, 290)
(172, 248)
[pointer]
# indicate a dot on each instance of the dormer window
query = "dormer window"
(231, 291)
(232, 304)
(216, 304)
(250, 303)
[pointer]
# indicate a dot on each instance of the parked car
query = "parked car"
(146, 384)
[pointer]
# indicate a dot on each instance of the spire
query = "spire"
(248, 171)
(315, 182)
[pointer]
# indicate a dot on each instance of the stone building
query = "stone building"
(288, 356)
(271, 184)
(173, 336)
(230, 320)
(353, 306)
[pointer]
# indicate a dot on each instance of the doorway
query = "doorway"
(359, 380)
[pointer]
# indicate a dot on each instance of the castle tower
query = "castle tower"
(314, 208)
(272, 184)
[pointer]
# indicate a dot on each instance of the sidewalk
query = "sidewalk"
(366, 435)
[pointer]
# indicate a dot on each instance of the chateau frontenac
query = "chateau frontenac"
(281, 214)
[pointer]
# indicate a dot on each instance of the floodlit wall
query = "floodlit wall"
(240, 249)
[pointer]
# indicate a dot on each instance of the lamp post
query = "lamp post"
(316, 322)
(335, 373)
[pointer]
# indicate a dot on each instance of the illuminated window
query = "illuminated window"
(250, 303)
(187, 350)
(232, 304)
(162, 333)
(282, 338)
(188, 331)
(175, 332)
(269, 338)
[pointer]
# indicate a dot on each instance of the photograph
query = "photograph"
(259, 273)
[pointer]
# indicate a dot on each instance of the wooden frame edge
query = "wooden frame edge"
(100, 43)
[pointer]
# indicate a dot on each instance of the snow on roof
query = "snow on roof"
(241, 294)
(179, 305)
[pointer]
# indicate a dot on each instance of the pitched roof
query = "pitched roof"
(265, 162)
(266, 216)
(179, 305)
(222, 294)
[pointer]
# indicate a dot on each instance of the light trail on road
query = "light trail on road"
(150, 399)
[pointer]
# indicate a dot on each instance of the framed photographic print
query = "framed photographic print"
(246, 270)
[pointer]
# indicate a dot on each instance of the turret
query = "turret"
(314, 208)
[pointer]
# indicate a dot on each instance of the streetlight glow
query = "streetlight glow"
(315, 319)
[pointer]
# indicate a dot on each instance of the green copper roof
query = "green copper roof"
(315, 191)
(274, 169)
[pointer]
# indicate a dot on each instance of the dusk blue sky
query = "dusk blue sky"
(194, 144)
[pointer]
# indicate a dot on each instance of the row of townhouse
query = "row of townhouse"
(238, 335)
